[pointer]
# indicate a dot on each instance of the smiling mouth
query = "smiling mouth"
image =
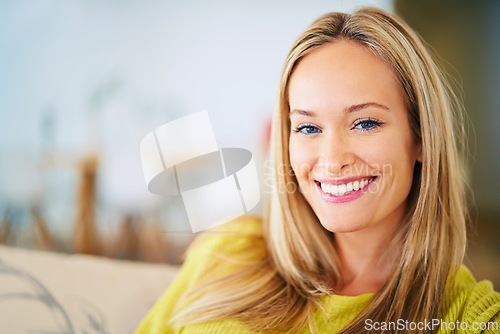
(342, 189)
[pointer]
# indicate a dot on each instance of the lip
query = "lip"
(347, 197)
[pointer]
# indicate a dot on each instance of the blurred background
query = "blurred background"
(83, 81)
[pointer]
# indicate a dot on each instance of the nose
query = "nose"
(336, 153)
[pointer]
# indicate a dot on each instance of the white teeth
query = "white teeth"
(349, 186)
(342, 189)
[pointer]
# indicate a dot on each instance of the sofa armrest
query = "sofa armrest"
(58, 293)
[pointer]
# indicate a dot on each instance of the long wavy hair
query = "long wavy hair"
(282, 287)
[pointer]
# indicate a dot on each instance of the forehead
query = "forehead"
(343, 73)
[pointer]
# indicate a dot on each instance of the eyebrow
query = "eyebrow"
(353, 108)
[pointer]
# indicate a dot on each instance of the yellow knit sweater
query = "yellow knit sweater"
(476, 306)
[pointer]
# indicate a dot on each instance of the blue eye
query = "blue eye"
(307, 129)
(367, 124)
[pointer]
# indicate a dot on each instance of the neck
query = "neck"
(367, 257)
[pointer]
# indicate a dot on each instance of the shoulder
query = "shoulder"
(220, 250)
(211, 252)
(227, 238)
(470, 301)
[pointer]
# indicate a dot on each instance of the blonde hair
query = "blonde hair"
(281, 288)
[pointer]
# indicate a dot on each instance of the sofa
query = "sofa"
(43, 292)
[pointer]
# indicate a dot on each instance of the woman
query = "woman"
(365, 229)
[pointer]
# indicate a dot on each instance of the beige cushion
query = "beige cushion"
(43, 292)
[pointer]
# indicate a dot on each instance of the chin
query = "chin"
(336, 226)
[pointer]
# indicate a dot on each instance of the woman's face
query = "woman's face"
(351, 146)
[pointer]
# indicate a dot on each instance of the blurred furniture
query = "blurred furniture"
(42, 292)
(85, 239)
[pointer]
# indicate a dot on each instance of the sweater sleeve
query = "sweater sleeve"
(156, 320)
(482, 309)
(203, 248)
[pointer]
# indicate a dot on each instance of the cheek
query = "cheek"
(375, 153)
(395, 147)
(395, 160)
